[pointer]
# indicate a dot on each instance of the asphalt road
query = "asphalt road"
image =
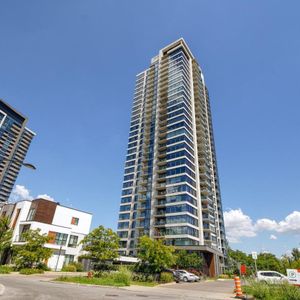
(24, 287)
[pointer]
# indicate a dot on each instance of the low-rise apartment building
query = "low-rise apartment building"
(64, 225)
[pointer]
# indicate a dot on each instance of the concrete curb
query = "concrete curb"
(83, 284)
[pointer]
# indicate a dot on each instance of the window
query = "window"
(60, 238)
(31, 214)
(52, 236)
(126, 192)
(125, 207)
(73, 241)
(123, 234)
(126, 200)
(123, 225)
(124, 216)
(68, 259)
(74, 221)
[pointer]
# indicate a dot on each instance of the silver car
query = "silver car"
(186, 276)
(271, 277)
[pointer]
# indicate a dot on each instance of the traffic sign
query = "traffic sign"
(293, 276)
(254, 255)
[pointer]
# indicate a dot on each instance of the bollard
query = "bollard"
(238, 288)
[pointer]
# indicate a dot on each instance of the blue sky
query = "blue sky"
(70, 67)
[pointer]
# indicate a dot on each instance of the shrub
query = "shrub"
(5, 269)
(143, 277)
(265, 291)
(42, 266)
(224, 276)
(121, 277)
(30, 271)
(69, 268)
(78, 265)
(73, 267)
(289, 292)
(102, 274)
(166, 277)
(105, 267)
(195, 271)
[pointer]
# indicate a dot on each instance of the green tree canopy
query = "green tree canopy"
(33, 251)
(5, 237)
(155, 255)
(101, 244)
(296, 254)
(188, 260)
(268, 261)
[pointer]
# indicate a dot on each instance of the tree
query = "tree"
(101, 244)
(188, 260)
(268, 261)
(237, 258)
(296, 254)
(5, 238)
(154, 255)
(33, 251)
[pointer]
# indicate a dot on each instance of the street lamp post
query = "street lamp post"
(25, 164)
(59, 254)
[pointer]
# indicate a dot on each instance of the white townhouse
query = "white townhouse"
(66, 226)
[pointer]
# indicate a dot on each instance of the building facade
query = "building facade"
(15, 139)
(64, 225)
(171, 188)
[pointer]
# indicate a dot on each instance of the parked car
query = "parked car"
(271, 277)
(186, 276)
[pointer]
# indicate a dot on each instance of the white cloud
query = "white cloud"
(46, 197)
(238, 225)
(19, 193)
(290, 224)
(265, 224)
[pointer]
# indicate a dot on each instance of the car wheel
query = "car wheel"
(185, 279)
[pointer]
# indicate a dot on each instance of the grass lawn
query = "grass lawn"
(143, 283)
(101, 281)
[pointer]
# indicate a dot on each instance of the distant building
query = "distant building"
(171, 187)
(66, 226)
(15, 139)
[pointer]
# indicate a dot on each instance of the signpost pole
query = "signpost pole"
(254, 256)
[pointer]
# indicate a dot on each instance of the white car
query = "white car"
(186, 276)
(271, 277)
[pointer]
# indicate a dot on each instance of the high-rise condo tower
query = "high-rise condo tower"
(15, 139)
(171, 187)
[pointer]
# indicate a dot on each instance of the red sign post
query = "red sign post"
(243, 269)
